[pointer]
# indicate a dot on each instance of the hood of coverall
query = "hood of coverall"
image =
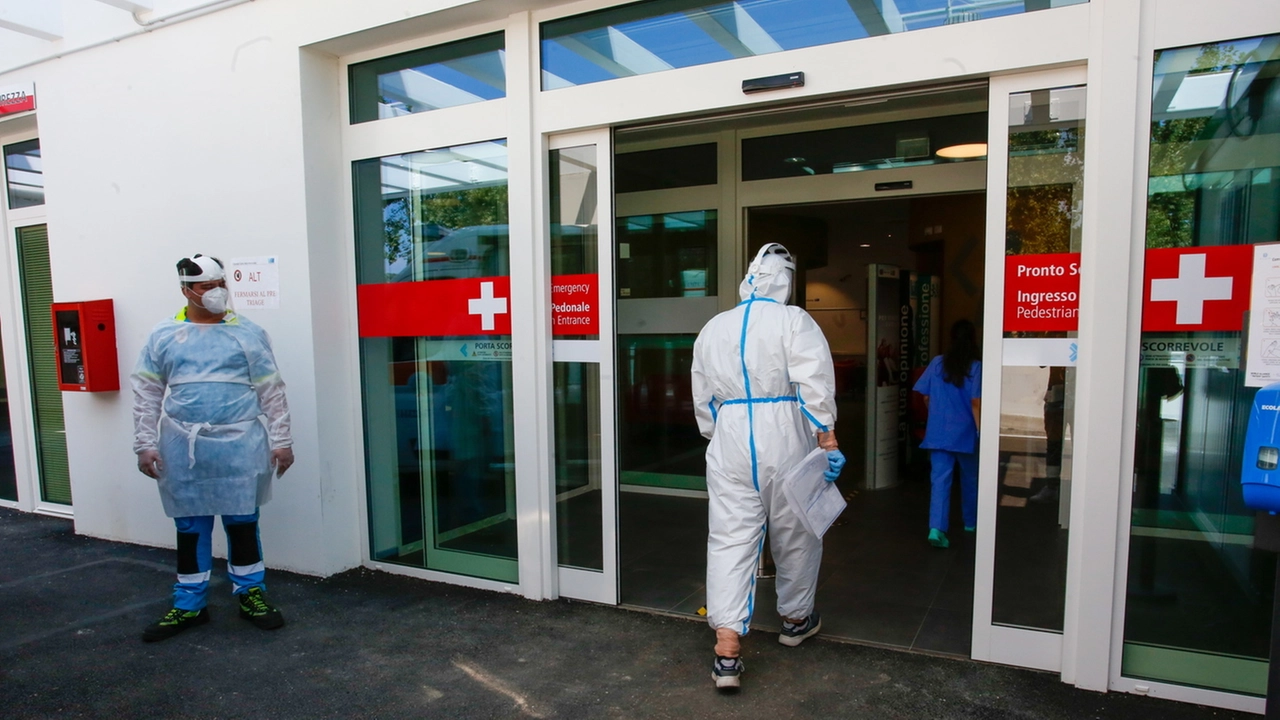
(769, 275)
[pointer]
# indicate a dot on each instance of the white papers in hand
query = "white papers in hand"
(816, 501)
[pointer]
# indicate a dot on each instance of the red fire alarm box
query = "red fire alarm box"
(85, 335)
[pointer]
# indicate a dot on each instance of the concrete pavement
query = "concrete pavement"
(366, 644)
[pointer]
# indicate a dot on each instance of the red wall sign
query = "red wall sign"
(1042, 292)
(1190, 289)
(470, 306)
(17, 98)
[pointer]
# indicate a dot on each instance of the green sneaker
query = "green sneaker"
(255, 608)
(174, 622)
(938, 539)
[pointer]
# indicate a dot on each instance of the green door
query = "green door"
(37, 294)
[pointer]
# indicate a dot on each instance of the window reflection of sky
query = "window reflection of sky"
(797, 24)
(467, 76)
(676, 40)
(439, 85)
(441, 76)
(617, 45)
(1194, 81)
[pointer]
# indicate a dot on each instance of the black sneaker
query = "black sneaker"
(174, 622)
(727, 672)
(793, 634)
(255, 608)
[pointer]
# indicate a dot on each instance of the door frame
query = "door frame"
(733, 197)
(1007, 645)
(13, 334)
(578, 583)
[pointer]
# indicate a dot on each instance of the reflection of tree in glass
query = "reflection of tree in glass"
(395, 221)
(1170, 219)
(1042, 205)
(441, 213)
(464, 208)
(1040, 219)
(1215, 58)
(1176, 145)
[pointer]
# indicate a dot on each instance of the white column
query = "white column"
(1113, 174)
(530, 318)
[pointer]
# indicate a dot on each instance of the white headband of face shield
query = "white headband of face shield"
(209, 270)
(776, 250)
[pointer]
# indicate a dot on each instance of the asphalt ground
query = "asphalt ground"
(366, 644)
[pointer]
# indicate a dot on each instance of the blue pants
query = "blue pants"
(943, 464)
(195, 557)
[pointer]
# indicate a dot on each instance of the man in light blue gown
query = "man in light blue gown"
(213, 443)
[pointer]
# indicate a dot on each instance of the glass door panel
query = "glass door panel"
(667, 290)
(586, 489)
(432, 268)
(1044, 192)
(1213, 190)
(1036, 183)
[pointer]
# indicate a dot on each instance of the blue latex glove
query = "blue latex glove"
(835, 463)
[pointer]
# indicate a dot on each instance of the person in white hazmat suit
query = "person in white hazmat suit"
(204, 384)
(764, 394)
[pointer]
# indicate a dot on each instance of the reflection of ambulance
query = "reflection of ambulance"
(469, 252)
(481, 251)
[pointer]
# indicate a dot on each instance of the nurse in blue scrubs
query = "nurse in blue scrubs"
(952, 390)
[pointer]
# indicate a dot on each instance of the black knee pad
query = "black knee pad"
(243, 541)
(188, 564)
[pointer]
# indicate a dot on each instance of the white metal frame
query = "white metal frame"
(527, 113)
(1088, 652)
(440, 128)
(992, 642)
(601, 586)
(13, 335)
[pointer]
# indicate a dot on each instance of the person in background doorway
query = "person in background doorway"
(952, 390)
(764, 394)
(206, 445)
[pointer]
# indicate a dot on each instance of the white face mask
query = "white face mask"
(215, 300)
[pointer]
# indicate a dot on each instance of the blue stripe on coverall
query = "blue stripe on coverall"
(812, 419)
(751, 435)
(746, 384)
(751, 595)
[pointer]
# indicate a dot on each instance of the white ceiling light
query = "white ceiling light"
(967, 150)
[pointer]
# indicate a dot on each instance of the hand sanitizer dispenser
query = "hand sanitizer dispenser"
(1260, 470)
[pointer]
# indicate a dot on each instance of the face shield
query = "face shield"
(769, 275)
(202, 268)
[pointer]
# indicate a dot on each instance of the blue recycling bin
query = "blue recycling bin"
(1260, 470)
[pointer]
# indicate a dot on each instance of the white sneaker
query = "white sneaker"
(793, 634)
(727, 672)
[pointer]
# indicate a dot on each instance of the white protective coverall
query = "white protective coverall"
(214, 449)
(763, 386)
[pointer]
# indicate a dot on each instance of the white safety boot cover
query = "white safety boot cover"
(763, 385)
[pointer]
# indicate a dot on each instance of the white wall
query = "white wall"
(190, 139)
(220, 134)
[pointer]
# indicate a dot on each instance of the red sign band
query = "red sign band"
(1042, 292)
(470, 306)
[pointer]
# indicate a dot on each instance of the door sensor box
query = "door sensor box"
(85, 338)
(773, 82)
